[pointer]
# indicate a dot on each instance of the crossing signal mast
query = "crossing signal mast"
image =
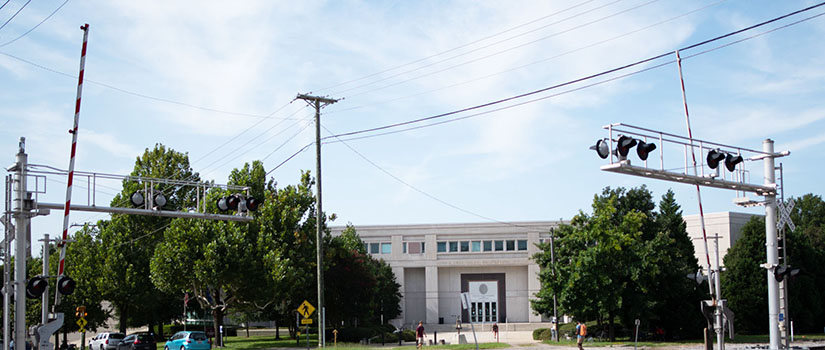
(615, 148)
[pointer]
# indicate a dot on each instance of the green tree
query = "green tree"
(287, 245)
(129, 241)
(623, 262)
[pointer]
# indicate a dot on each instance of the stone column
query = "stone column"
(431, 293)
(533, 287)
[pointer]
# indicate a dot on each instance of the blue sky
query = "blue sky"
(393, 61)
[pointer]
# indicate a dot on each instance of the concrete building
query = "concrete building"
(726, 225)
(434, 263)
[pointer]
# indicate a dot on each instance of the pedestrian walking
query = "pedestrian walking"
(495, 331)
(419, 335)
(554, 331)
(581, 332)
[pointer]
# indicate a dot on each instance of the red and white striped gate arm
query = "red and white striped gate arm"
(73, 131)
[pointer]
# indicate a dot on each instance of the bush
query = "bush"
(542, 334)
(355, 334)
(388, 338)
(408, 335)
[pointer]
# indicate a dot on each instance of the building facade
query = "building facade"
(492, 262)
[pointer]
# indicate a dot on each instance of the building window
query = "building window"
(453, 247)
(373, 248)
(522, 244)
(415, 247)
(499, 245)
(488, 246)
(404, 247)
(441, 247)
(465, 246)
(386, 248)
(511, 245)
(476, 246)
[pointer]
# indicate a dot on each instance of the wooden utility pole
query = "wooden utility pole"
(318, 102)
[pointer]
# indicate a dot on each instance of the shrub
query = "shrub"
(542, 334)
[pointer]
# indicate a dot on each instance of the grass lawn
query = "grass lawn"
(740, 339)
(265, 342)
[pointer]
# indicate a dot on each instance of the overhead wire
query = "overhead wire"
(35, 27)
(565, 53)
(15, 14)
(490, 45)
(570, 82)
(488, 55)
(455, 48)
(425, 193)
(137, 94)
(574, 81)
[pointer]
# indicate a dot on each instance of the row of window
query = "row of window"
(386, 248)
(451, 246)
(479, 246)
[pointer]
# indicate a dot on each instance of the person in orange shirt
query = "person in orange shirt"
(581, 332)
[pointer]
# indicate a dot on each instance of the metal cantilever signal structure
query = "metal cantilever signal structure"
(682, 173)
(734, 159)
(93, 186)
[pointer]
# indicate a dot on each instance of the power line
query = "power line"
(138, 94)
(35, 27)
(438, 116)
(535, 62)
(428, 195)
(455, 48)
(15, 14)
(479, 48)
(492, 54)
(574, 81)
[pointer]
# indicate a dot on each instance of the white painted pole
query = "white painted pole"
(770, 246)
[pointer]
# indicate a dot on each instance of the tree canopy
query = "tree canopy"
(623, 262)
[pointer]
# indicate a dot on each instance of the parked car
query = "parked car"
(188, 340)
(138, 341)
(106, 341)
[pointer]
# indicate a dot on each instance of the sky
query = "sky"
(218, 80)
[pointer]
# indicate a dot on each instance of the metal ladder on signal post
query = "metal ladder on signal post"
(782, 254)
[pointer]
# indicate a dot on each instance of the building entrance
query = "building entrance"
(483, 301)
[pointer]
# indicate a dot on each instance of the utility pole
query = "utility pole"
(318, 102)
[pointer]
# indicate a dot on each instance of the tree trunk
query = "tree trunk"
(610, 328)
(124, 315)
(277, 330)
(217, 322)
(247, 328)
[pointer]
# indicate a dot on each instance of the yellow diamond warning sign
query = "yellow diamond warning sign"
(306, 309)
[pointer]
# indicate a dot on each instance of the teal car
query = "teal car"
(188, 340)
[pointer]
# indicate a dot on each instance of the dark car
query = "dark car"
(138, 341)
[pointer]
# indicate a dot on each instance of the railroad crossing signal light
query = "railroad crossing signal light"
(252, 203)
(138, 199)
(239, 203)
(624, 144)
(66, 285)
(36, 286)
(731, 161)
(601, 148)
(644, 149)
(780, 272)
(714, 157)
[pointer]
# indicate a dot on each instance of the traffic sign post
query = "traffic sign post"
(306, 309)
